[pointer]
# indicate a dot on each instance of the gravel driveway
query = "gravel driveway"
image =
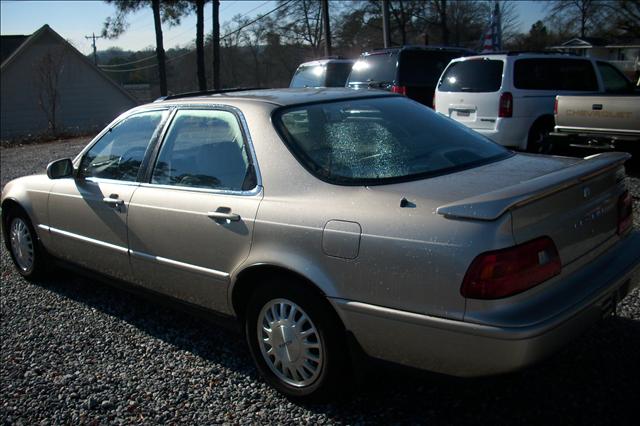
(74, 350)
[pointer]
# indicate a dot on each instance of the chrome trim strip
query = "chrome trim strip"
(254, 191)
(44, 227)
(597, 130)
(112, 181)
(181, 265)
(99, 243)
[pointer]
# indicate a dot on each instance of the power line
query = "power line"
(187, 53)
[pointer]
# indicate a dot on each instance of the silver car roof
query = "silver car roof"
(284, 97)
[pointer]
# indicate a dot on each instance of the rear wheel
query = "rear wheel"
(296, 341)
(24, 247)
(538, 141)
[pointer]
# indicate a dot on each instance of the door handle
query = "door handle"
(224, 215)
(113, 201)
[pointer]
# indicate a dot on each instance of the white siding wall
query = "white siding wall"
(87, 100)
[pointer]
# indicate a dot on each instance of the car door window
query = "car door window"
(119, 153)
(204, 149)
(613, 79)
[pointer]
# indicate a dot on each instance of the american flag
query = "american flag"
(492, 39)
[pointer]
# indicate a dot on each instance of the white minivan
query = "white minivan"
(509, 97)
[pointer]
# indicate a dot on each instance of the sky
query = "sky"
(74, 20)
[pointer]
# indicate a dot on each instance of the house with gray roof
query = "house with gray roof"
(47, 86)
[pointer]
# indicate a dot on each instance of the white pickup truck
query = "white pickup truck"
(598, 121)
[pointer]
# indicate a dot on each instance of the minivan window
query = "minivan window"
(474, 75)
(380, 140)
(204, 149)
(554, 74)
(375, 68)
(614, 81)
(423, 68)
(119, 153)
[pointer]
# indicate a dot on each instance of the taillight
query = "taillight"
(506, 105)
(555, 107)
(402, 90)
(433, 103)
(625, 212)
(509, 271)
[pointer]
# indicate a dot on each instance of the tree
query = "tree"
(626, 17)
(48, 72)
(301, 23)
(169, 12)
(202, 79)
(586, 13)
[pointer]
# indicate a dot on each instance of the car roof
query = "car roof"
(519, 55)
(281, 97)
(326, 61)
(421, 48)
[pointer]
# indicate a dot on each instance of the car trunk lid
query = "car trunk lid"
(576, 206)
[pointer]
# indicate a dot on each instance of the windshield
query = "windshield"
(309, 76)
(380, 140)
(375, 68)
(473, 75)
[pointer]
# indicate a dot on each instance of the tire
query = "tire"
(26, 252)
(305, 356)
(538, 141)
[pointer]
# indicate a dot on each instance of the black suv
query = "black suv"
(412, 71)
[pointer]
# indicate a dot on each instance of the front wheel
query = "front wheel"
(296, 341)
(24, 247)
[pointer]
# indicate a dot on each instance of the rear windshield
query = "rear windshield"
(337, 74)
(423, 68)
(475, 75)
(380, 140)
(376, 68)
(309, 76)
(554, 74)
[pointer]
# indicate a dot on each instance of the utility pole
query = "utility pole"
(386, 30)
(327, 28)
(95, 55)
(216, 44)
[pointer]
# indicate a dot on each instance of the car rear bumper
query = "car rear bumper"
(512, 132)
(468, 349)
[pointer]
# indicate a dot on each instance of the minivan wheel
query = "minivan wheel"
(24, 247)
(538, 141)
(295, 341)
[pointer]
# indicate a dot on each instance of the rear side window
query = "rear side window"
(472, 76)
(119, 153)
(613, 79)
(554, 74)
(423, 68)
(204, 149)
(310, 76)
(376, 68)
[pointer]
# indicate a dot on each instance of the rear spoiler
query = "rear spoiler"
(492, 205)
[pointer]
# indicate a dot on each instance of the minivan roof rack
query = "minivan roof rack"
(205, 93)
(520, 52)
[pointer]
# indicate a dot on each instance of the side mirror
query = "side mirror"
(59, 169)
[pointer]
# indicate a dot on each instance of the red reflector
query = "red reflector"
(506, 105)
(625, 212)
(502, 273)
(555, 107)
(402, 90)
